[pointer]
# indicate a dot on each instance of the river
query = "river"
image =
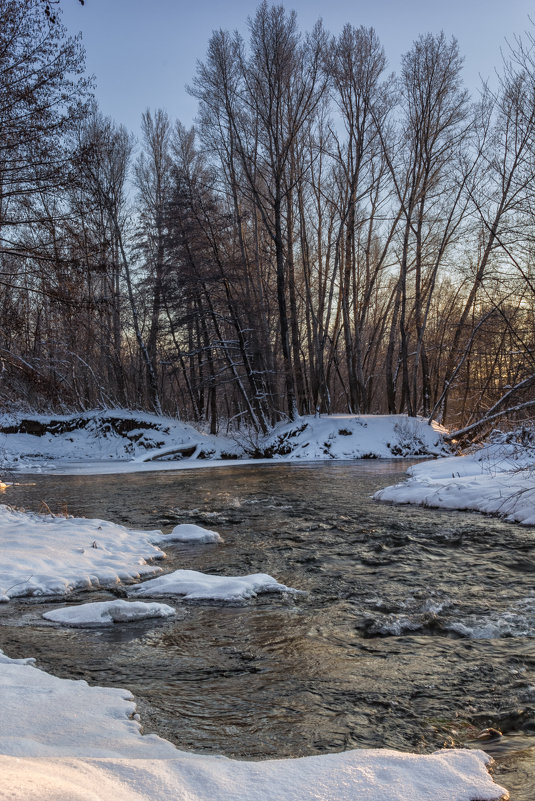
(415, 629)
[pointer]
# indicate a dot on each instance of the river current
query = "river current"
(415, 629)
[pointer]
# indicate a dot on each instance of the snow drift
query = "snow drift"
(497, 478)
(62, 740)
(136, 440)
(349, 436)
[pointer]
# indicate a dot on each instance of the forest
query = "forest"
(328, 237)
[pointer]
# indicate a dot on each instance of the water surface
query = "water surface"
(415, 631)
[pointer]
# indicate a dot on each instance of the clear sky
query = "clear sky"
(144, 52)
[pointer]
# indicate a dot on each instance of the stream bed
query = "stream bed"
(415, 629)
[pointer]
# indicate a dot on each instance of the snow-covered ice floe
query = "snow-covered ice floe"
(202, 586)
(62, 740)
(47, 555)
(44, 555)
(189, 532)
(498, 478)
(106, 613)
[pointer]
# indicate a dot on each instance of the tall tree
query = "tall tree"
(434, 108)
(152, 178)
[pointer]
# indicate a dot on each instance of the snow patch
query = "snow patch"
(498, 478)
(201, 586)
(106, 613)
(189, 532)
(46, 555)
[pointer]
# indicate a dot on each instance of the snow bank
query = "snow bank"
(43, 716)
(498, 478)
(119, 440)
(379, 776)
(189, 532)
(106, 613)
(62, 740)
(29, 441)
(352, 436)
(202, 586)
(47, 555)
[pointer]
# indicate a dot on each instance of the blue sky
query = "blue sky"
(144, 52)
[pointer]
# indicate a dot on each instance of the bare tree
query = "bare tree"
(152, 178)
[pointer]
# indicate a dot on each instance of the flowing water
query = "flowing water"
(416, 628)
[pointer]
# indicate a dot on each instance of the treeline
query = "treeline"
(329, 237)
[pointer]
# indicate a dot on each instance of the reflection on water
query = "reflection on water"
(416, 630)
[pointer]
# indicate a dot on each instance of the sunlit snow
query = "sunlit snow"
(196, 586)
(119, 440)
(62, 740)
(106, 613)
(189, 532)
(498, 478)
(49, 555)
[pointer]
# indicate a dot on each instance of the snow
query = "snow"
(32, 442)
(498, 478)
(189, 532)
(47, 555)
(112, 467)
(119, 440)
(196, 586)
(106, 613)
(44, 716)
(350, 436)
(62, 740)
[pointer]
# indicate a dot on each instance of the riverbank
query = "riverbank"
(65, 741)
(497, 479)
(120, 440)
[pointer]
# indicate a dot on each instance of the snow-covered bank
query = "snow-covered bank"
(30, 441)
(48, 555)
(498, 478)
(121, 441)
(349, 436)
(62, 740)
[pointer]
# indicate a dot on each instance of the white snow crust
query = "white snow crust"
(48, 555)
(189, 532)
(62, 740)
(498, 478)
(45, 555)
(117, 435)
(202, 586)
(106, 613)
(119, 440)
(349, 436)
